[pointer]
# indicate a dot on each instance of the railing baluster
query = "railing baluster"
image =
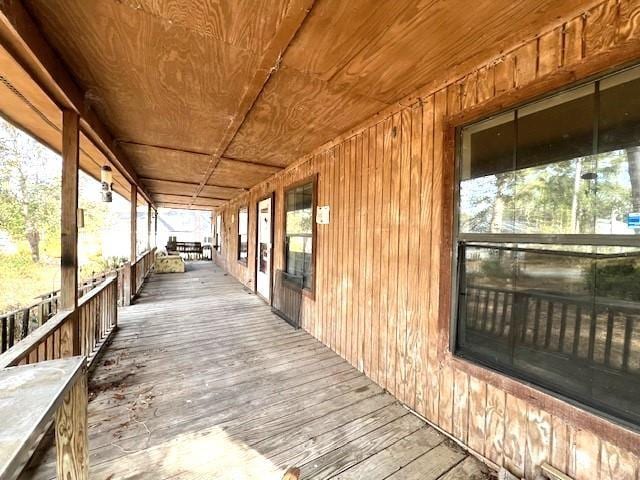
(563, 327)
(12, 330)
(25, 322)
(3, 334)
(576, 330)
(592, 334)
(549, 325)
(626, 350)
(536, 321)
(609, 337)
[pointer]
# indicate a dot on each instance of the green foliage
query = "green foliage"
(615, 280)
(29, 189)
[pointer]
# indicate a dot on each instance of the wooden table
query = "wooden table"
(31, 396)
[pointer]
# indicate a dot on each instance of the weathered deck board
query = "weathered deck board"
(203, 381)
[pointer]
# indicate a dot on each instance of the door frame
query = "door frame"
(271, 196)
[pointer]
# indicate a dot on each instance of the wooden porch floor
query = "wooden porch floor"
(203, 381)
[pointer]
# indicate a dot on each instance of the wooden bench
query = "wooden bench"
(31, 396)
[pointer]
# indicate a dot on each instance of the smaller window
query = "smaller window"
(300, 204)
(218, 239)
(243, 229)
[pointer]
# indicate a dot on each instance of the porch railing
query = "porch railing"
(17, 324)
(142, 267)
(92, 323)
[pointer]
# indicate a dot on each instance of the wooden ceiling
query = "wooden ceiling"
(209, 97)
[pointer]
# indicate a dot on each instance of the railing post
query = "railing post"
(70, 331)
(133, 253)
(126, 283)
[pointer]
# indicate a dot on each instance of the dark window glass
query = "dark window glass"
(548, 272)
(299, 205)
(243, 230)
(219, 233)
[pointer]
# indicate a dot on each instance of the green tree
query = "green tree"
(29, 189)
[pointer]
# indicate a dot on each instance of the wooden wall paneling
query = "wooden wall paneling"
(515, 429)
(494, 425)
(460, 405)
(572, 42)
(376, 208)
(360, 259)
(404, 204)
(628, 24)
(338, 184)
(478, 410)
(550, 52)
(426, 360)
(485, 88)
(367, 240)
(600, 27)
(341, 271)
(505, 74)
(350, 319)
(394, 217)
(413, 232)
(441, 382)
(333, 228)
(587, 455)
(385, 239)
(470, 90)
(538, 441)
(559, 444)
(526, 64)
(616, 463)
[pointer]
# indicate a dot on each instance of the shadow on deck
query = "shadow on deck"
(203, 381)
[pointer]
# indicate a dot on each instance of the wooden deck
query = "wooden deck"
(203, 381)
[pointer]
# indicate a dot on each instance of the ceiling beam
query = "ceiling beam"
(191, 184)
(270, 62)
(22, 38)
(204, 154)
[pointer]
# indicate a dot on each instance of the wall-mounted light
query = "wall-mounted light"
(106, 177)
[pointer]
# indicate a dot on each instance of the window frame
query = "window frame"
(511, 380)
(242, 261)
(309, 292)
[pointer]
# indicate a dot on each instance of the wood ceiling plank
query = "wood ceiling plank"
(296, 113)
(20, 34)
(433, 37)
(243, 23)
(186, 200)
(166, 164)
(181, 206)
(150, 81)
(269, 63)
(239, 175)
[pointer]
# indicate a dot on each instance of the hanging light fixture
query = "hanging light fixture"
(106, 177)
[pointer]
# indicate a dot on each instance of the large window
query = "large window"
(548, 244)
(299, 232)
(243, 229)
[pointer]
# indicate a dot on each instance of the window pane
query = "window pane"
(243, 221)
(568, 319)
(619, 119)
(556, 197)
(486, 189)
(556, 129)
(299, 232)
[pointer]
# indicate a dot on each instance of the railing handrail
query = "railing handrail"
(55, 294)
(599, 302)
(96, 290)
(24, 347)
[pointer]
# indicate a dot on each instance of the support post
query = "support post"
(148, 226)
(70, 330)
(134, 233)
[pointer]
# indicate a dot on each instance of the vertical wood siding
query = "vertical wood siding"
(382, 264)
